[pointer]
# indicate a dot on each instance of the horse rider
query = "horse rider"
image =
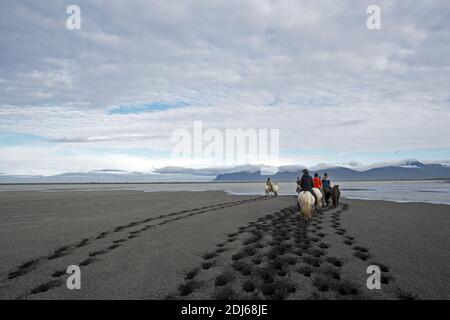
(306, 184)
(269, 185)
(298, 185)
(317, 183)
(326, 183)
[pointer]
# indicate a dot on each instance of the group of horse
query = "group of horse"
(305, 200)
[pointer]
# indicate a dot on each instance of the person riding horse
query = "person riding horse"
(326, 183)
(326, 187)
(306, 184)
(317, 183)
(269, 185)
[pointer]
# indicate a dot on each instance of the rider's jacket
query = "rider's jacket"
(317, 183)
(306, 182)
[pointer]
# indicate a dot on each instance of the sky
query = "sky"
(111, 94)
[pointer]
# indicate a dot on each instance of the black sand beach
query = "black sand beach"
(209, 245)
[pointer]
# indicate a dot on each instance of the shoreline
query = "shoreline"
(227, 192)
(205, 182)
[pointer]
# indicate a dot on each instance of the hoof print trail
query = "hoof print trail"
(223, 279)
(97, 253)
(58, 253)
(209, 256)
(63, 251)
(362, 255)
(192, 274)
(23, 268)
(188, 287)
(248, 286)
(87, 262)
(207, 265)
(46, 286)
(271, 253)
(334, 261)
(82, 243)
(59, 273)
(383, 268)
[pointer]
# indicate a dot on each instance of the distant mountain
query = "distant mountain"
(226, 170)
(104, 176)
(207, 171)
(408, 170)
(411, 170)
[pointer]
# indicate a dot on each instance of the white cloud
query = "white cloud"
(332, 83)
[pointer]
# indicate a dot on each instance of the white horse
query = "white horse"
(319, 196)
(273, 190)
(305, 201)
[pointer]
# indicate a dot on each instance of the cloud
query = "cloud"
(353, 164)
(117, 138)
(355, 122)
(212, 171)
(309, 68)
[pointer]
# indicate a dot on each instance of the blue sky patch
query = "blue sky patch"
(145, 108)
(15, 138)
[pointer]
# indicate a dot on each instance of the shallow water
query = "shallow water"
(400, 191)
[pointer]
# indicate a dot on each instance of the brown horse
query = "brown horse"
(327, 195)
(335, 195)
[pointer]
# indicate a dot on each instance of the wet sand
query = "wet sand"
(209, 245)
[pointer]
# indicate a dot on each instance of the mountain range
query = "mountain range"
(408, 170)
(411, 170)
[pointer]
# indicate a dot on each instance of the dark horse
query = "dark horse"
(327, 195)
(335, 194)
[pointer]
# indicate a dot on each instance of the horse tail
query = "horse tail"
(319, 197)
(335, 193)
(305, 204)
